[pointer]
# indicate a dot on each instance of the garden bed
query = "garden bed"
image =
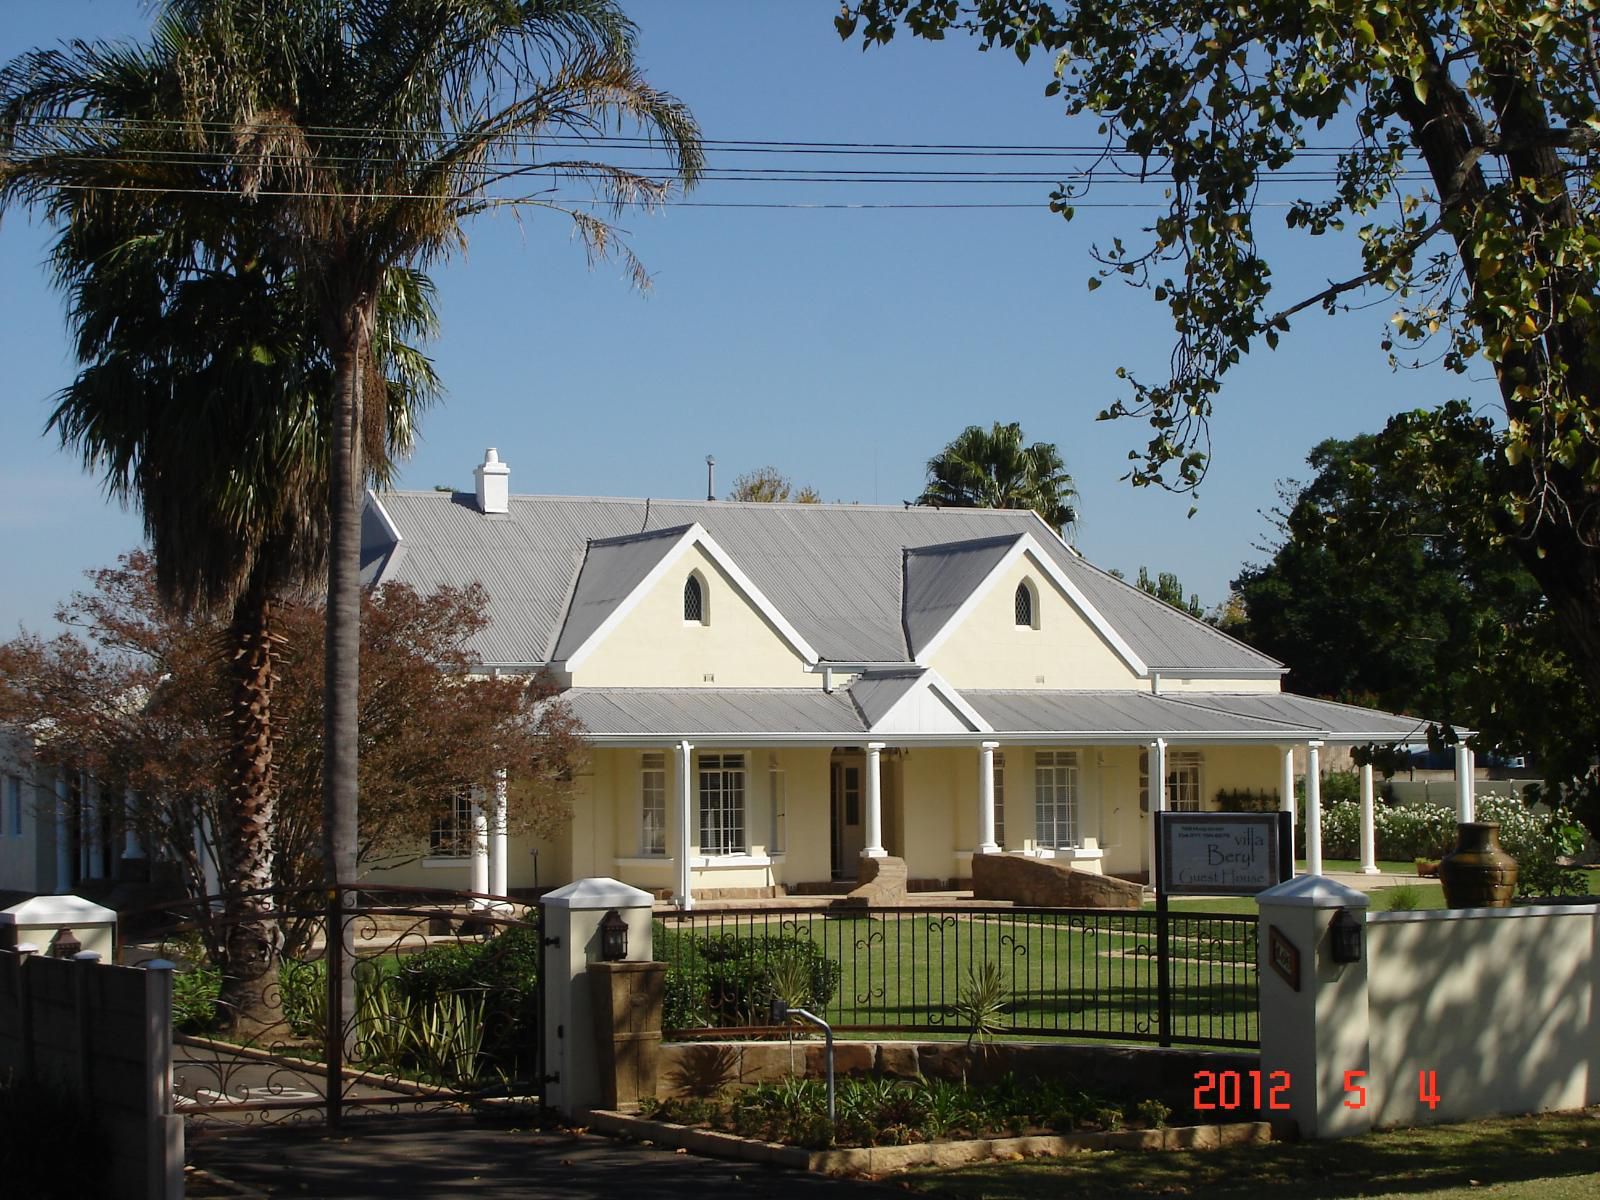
(884, 1160)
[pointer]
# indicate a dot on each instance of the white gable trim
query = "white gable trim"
(695, 535)
(398, 549)
(1027, 545)
(930, 682)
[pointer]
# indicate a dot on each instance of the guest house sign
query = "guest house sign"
(1222, 854)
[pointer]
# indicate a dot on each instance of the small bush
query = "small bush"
(1246, 800)
(194, 998)
(1405, 898)
(497, 982)
(729, 980)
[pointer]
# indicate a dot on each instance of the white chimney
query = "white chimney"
(494, 483)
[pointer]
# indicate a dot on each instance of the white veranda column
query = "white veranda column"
(497, 835)
(874, 832)
(1465, 806)
(63, 833)
(1314, 808)
(986, 842)
(684, 893)
(132, 845)
(1369, 836)
(1286, 801)
(478, 876)
(1156, 786)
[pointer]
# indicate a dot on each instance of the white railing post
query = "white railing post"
(1369, 836)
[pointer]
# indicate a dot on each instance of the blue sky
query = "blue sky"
(844, 347)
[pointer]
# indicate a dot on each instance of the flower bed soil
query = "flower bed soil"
(883, 1160)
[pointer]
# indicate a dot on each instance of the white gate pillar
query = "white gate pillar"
(874, 831)
(572, 917)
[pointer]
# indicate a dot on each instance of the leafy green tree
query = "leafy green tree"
(1488, 247)
(995, 468)
(1383, 588)
(768, 485)
(1167, 588)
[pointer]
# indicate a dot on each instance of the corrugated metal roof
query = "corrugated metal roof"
(938, 580)
(1341, 722)
(610, 572)
(835, 571)
(1115, 714)
(697, 712)
(876, 692)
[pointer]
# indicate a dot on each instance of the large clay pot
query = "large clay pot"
(1477, 873)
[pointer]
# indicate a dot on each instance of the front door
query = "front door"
(848, 834)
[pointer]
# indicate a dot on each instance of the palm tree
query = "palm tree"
(365, 133)
(993, 468)
(204, 393)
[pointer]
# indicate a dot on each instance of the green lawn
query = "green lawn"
(1550, 1157)
(1063, 975)
(1353, 866)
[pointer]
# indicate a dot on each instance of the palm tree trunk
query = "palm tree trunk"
(341, 680)
(249, 936)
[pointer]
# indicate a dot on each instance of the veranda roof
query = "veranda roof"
(815, 716)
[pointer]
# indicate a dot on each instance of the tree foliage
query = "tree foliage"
(137, 696)
(1386, 587)
(1167, 588)
(1463, 137)
(768, 485)
(997, 468)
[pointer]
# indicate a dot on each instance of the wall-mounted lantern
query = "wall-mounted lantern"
(65, 944)
(613, 937)
(1346, 934)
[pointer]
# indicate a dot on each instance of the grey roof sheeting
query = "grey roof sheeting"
(668, 713)
(835, 571)
(876, 692)
(690, 712)
(610, 571)
(938, 580)
(1342, 722)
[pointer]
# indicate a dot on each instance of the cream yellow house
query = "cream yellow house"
(775, 691)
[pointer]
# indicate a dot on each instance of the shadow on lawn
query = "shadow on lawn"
(1401, 1161)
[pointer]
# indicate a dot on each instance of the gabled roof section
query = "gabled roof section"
(836, 571)
(665, 713)
(612, 570)
(940, 579)
(976, 588)
(640, 561)
(916, 700)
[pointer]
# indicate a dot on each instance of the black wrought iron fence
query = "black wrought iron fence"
(1038, 972)
(435, 1001)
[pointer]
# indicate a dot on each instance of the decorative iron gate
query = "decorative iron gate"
(421, 999)
(1030, 972)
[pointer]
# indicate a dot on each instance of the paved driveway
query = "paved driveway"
(403, 1156)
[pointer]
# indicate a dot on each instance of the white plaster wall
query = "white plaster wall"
(653, 646)
(1500, 1004)
(989, 650)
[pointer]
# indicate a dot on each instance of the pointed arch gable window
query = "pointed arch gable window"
(694, 601)
(1026, 605)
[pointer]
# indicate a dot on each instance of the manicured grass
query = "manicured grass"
(1550, 1157)
(1062, 974)
(1353, 866)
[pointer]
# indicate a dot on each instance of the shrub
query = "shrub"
(497, 979)
(1246, 800)
(194, 998)
(730, 980)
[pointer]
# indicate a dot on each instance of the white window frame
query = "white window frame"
(721, 791)
(450, 835)
(1184, 784)
(653, 804)
(1055, 791)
